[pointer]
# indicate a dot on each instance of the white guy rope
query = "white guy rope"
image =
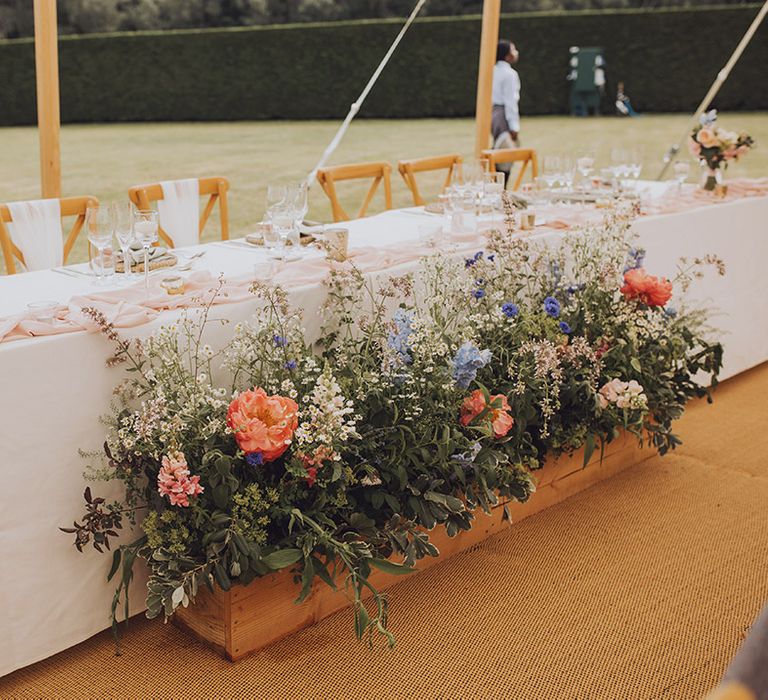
(355, 107)
(722, 76)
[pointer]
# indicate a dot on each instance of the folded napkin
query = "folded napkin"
(36, 231)
(179, 211)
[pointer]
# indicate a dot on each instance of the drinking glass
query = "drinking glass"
(550, 171)
(121, 214)
(682, 169)
(493, 189)
(284, 223)
(635, 165)
(276, 195)
(585, 164)
(297, 199)
(145, 230)
(99, 228)
(567, 173)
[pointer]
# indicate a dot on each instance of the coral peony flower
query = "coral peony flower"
(648, 289)
(707, 137)
(500, 419)
(263, 424)
(175, 482)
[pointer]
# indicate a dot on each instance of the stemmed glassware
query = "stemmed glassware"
(145, 229)
(276, 195)
(99, 228)
(567, 173)
(682, 169)
(121, 214)
(585, 164)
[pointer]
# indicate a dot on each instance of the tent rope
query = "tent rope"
(357, 104)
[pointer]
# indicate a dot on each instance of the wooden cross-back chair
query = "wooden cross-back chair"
(70, 206)
(409, 168)
(379, 171)
(215, 188)
(525, 156)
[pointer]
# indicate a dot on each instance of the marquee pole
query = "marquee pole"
(489, 38)
(48, 114)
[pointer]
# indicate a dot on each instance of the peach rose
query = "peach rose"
(648, 289)
(500, 419)
(706, 137)
(263, 424)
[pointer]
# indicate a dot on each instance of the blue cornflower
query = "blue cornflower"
(478, 293)
(399, 339)
(291, 364)
(509, 309)
(552, 307)
(467, 361)
(254, 459)
(280, 341)
(564, 327)
(468, 262)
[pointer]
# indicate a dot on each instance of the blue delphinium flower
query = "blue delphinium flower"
(291, 364)
(564, 327)
(280, 341)
(399, 339)
(635, 259)
(478, 293)
(467, 361)
(254, 459)
(552, 307)
(509, 309)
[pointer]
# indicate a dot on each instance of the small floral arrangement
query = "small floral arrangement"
(715, 146)
(337, 455)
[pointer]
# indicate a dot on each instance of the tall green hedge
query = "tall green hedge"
(667, 58)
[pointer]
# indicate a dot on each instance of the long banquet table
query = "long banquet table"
(53, 390)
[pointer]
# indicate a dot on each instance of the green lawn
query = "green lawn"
(104, 160)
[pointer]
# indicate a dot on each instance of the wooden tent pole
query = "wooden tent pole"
(489, 38)
(48, 115)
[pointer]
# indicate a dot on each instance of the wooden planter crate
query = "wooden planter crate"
(247, 618)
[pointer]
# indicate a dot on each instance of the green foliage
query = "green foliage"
(666, 58)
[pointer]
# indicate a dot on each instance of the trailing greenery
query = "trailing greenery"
(666, 58)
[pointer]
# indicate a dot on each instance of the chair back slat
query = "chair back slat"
(409, 168)
(526, 156)
(69, 206)
(215, 188)
(380, 172)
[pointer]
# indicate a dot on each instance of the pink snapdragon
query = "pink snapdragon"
(175, 482)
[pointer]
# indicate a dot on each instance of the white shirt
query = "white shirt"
(506, 92)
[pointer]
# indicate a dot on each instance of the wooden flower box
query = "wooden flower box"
(247, 618)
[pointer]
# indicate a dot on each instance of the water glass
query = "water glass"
(98, 225)
(121, 214)
(585, 164)
(145, 224)
(682, 169)
(264, 270)
(276, 196)
(284, 224)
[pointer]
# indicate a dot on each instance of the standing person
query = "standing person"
(505, 121)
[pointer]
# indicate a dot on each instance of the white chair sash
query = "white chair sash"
(36, 230)
(179, 211)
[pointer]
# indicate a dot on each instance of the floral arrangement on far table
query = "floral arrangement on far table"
(715, 146)
(426, 398)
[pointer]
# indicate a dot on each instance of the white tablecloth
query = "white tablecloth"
(53, 390)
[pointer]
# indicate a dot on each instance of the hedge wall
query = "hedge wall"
(667, 58)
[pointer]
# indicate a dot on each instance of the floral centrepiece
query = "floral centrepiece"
(419, 403)
(716, 147)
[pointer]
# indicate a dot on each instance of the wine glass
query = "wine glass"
(99, 228)
(682, 169)
(493, 189)
(145, 229)
(567, 173)
(585, 164)
(284, 223)
(121, 214)
(276, 195)
(550, 171)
